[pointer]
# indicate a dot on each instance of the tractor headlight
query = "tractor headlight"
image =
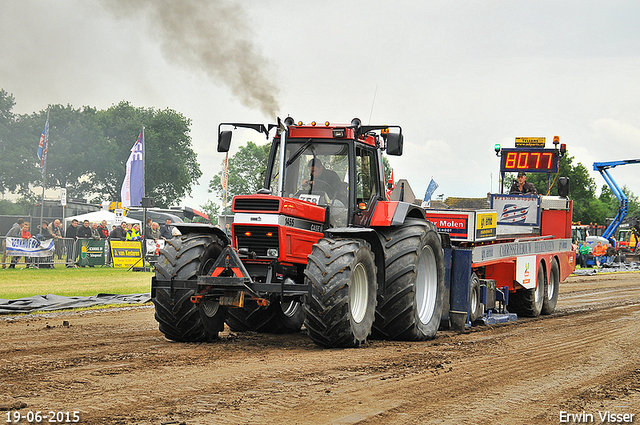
(272, 252)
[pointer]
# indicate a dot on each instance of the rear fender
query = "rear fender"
(373, 238)
(185, 228)
(394, 213)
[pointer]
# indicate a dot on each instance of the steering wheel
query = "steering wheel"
(320, 186)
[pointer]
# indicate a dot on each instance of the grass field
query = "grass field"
(20, 283)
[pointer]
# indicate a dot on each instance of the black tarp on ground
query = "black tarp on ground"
(56, 302)
(609, 268)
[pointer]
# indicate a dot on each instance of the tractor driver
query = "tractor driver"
(323, 179)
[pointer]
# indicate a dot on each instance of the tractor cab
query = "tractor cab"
(337, 167)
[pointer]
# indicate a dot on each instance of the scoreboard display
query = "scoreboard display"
(529, 160)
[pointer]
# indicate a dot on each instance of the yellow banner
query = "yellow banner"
(530, 142)
(126, 254)
(486, 224)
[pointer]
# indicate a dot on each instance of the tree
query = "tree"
(20, 207)
(247, 169)
(387, 168)
(17, 149)
(171, 164)
(88, 150)
(212, 210)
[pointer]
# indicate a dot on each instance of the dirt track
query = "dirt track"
(114, 367)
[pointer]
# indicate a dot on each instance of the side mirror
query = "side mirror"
(394, 144)
(224, 141)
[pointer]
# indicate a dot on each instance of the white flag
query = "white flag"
(132, 186)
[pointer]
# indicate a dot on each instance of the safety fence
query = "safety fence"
(33, 253)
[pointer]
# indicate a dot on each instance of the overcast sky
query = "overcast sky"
(458, 76)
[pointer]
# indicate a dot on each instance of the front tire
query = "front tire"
(184, 258)
(340, 307)
(410, 309)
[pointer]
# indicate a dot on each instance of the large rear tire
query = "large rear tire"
(278, 317)
(528, 302)
(553, 287)
(411, 306)
(185, 258)
(340, 307)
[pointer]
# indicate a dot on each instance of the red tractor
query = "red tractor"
(319, 245)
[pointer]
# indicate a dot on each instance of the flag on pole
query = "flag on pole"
(426, 202)
(132, 186)
(43, 147)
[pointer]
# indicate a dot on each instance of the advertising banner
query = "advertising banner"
(517, 209)
(92, 252)
(126, 254)
(456, 224)
(32, 247)
(486, 223)
(472, 226)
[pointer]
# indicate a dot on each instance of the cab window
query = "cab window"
(366, 175)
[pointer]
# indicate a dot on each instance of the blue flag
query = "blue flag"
(430, 191)
(43, 147)
(132, 186)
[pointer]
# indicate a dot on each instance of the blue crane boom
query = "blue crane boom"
(603, 169)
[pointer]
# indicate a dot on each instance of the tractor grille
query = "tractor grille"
(256, 204)
(256, 238)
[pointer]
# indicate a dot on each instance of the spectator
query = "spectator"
(521, 187)
(610, 253)
(84, 232)
(72, 230)
(26, 234)
(134, 233)
(119, 233)
(16, 229)
(155, 231)
(56, 232)
(95, 233)
(584, 254)
(598, 252)
(227, 230)
(166, 231)
(71, 235)
(44, 235)
(103, 229)
(14, 232)
(147, 227)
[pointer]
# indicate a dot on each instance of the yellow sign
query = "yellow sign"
(486, 224)
(530, 142)
(126, 253)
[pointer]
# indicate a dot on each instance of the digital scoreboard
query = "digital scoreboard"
(532, 160)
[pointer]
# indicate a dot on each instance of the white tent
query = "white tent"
(97, 217)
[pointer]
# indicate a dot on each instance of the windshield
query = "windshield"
(315, 171)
